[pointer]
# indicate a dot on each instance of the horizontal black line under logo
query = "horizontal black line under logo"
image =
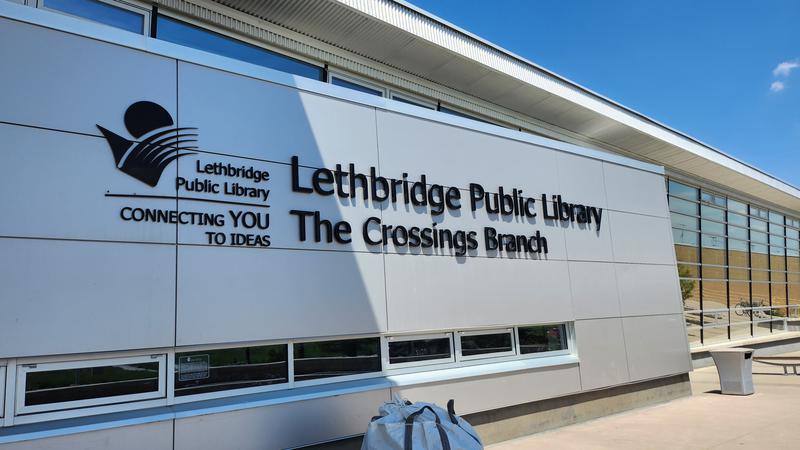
(192, 199)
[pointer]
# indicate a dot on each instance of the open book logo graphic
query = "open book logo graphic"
(155, 144)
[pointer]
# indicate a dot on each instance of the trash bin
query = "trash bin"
(735, 368)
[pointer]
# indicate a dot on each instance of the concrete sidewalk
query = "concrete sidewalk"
(768, 419)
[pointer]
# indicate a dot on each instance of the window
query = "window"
(713, 199)
(542, 338)
(412, 101)
(356, 85)
(231, 368)
(79, 384)
(682, 190)
(406, 351)
(126, 18)
(737, 206)
(712, 213)
(324, 359)
(485, 344)
(182, 33)
(685, 222)
(454, 112)
(682, 206)
(737, 219)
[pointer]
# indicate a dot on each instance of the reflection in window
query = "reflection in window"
(100, 12)
(355, 86)
(231, 368)
(411, 101)
(418, 350)
(453, 112)
(544, 338)
(84, 383)
(182, 33)
(682, 206)
(682, 190)
(325, 359)
(486, 344)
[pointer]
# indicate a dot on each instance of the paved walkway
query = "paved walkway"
(768, 419)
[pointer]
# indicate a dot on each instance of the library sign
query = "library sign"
(231, 202)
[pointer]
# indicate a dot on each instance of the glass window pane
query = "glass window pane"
(685, 222)
(412, 102)
(757, 236)
(715, 295)
(546, 338)
(682, 190)
(759, 225)
(182, 33)
(792, 244)
(713, 227)
(230, 368)
(690, 293)
(484, 344)
(688, 271)
(780, 277)
(355, 86)
(776, 229)
(738, 233)
(682, 206)
(713, 272)
(453, 112)
(758, 212)
(738, 273)
(737, 219)
(66, 385)
(794, 234)
(714, 199)
(418, 350)
(686, 245)
(100, 12)
(778, 292)
(737, 253)
(793, 261)
(760, 296)
(777, 241)
(710, 212)
(713, 250)
(760, 275)
(324, 359)
(776, 218)
(737, 206)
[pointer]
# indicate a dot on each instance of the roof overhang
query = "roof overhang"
(407, 38)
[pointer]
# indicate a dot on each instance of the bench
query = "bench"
(782, 361)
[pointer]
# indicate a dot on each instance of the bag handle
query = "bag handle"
(409, 429)
(451, 411)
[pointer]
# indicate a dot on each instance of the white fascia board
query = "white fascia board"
(427, 26)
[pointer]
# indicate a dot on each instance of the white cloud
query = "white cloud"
(776, 86)
(785, 68)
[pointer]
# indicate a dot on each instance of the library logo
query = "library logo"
(155, 144)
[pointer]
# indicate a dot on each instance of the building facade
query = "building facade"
(248, 224)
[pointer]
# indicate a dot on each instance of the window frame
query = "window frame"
(568, 341)
(189, 398)
(355, 80)
(88, 405)
(336, 379)
(135, 7)
(509, 330)
(417, 337)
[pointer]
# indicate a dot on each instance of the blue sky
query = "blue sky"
(707, 68)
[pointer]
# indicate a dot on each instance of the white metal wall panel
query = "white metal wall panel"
(656, 346)
(152, 436)
(601, 349)
(101, 83)
(79, 297)
(594, 290)
(498, 391)
(281, 426)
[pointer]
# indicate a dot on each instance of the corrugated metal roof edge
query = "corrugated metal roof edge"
(584, 89)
